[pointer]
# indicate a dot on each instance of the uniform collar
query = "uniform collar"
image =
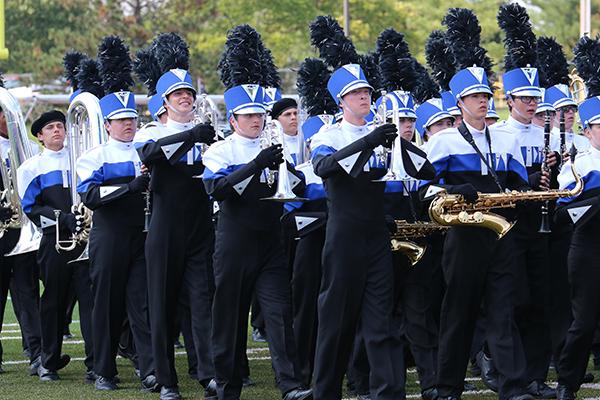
(594, 152)
(4, 141)
(518, 125)
(355, 130)
(119, 144)
(473, 130)
(52, 153)
(178, 126)
(244, 140)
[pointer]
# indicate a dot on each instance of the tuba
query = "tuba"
(452, 209)
(406, 232)
(21, 149)
(85, 130)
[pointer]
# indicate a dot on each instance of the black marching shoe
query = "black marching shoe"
(298, 394)
(47, 375)
(104, 383)
(247, 381)
(169, 393)
(90, 377)
(34, 365)
(540, 390)
(588, 378)
(210, 390)
(489, 375)
(149, 384)
(64, 360)
(468, 387)
(366, 396)
(564, 393)
(429, 394)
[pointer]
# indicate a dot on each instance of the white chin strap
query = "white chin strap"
(183, 114)
(346, 106)
(466, 110)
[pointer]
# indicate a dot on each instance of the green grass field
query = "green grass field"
(16, 384)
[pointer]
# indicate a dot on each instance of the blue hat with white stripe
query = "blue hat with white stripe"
(429, 113)
(173, 80)
(74, 94)
(118, 105)
(402, 100)
(560, 96)
(449, 102)
(346, 79)
(522, 82)
(245, 99)
(589, 111)
(313, 124)
(468, 81)
(272, 96)
(156, 106)
(491, 112)
(544, 105)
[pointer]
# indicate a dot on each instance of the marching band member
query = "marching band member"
(43, 183)
(561, 99)
(286, 112)
(111, 185)
(180, 237)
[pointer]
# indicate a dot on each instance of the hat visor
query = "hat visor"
(177, 86)
(531, 91)
(251, 110)
(564, 102)
(123, 115)
(402, 114)
(492, 115)
(474, 90)
(543, 107)
(437, 117)
(592, 121)
(354, 86)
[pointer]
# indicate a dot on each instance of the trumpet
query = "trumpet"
(273, 135)
(406, 232)
(206, 113)
(452, 209)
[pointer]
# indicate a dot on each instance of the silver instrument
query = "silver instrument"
(395, 171)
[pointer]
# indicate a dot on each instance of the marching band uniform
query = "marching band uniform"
(560, 96)
(180, 238)
(43, 183)
(248, 255)
(111, 186)
(476, 265)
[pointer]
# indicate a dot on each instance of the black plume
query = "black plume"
(463, 37)
(552, 63)
(440, 59)
(89, 78)
(312, 88)
(333, 45)
(587, 62)
(519, 42)
(391, 42)
(370, 65)
(241, 60)
(114, 65)
(171, 51)
(71, 62)
(147, 69)
(426, 87)
(396, 65)
(270, 76)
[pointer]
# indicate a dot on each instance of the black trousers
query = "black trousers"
(357, 283)
(21, 274)
(179, 273)
(477, 266)
(118, 274)
(306, 282)
(58, 276)
(584, 275)
(246, 263)
(532, 299)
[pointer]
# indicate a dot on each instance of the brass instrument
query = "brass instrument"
(273, 135)
(577, 87)
(85, 130)
(21, 149)
(402, 239)
(452, 209)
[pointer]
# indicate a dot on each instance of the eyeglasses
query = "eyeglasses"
(568, 109)
(528, 99)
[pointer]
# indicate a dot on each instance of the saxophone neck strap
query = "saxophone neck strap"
(464, 131)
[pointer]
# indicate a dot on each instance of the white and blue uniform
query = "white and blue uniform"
(248, 259)
(476, 265)
(179, 245)
(116, 248)
(43, 182)
(583, 270)
(357, 280)
(581, 142)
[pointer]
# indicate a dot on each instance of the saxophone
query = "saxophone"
(401, 240)
(452, 209)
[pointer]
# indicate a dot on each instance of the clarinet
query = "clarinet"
(545, 222)
(563, 141)
(147, 209)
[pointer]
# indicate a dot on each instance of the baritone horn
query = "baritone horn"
(403, 239)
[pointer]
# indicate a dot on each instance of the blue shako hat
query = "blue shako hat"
(560, 96)
(401, 99)
(272, 96)
(522, 82)
(491, 112)
(156, 106)
(468, 81)
(346, 79)
(174, 79)
(544, 105)
(245, 99)
(313, 124)
(449, 102)
(589, 111)
(429, 113)
(118, 105)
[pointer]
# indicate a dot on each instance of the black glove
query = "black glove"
(467, 191)
(270, 157)
(6, 214)
(203, 133)
(383, 135)
(72, 222)
(390, 223)
(139, 184)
